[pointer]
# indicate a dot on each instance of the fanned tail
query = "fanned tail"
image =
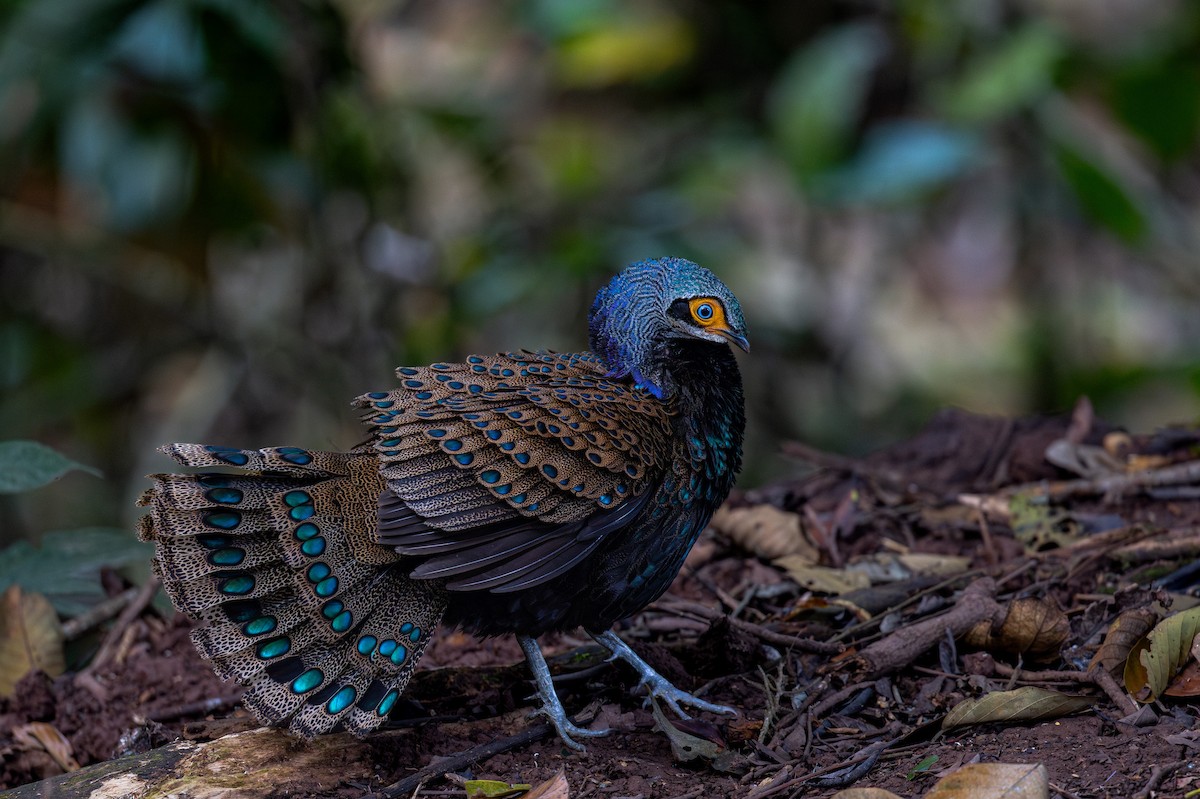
(297, 601)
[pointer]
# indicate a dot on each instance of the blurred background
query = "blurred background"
(222, 220)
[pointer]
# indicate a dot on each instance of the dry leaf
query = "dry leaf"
(1186, 682)
(40, 735)
(864, 793)
(994, 781)
(554, 788)
(1033, 628)
(1123, 633)
(494, 789)
(1154, 660)
(821, 578)
(765, 531)
(30, 637)
(1023, 704)
(684, 745)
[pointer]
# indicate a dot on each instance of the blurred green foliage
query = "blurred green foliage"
(221, 220)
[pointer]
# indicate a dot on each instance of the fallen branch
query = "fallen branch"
(910, 641)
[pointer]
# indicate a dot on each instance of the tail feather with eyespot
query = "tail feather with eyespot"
(274, 556)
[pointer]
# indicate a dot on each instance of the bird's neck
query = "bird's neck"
(706, 395)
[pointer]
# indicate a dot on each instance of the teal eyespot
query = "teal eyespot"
(307, 681)
(398, 655)
(223, 519)
(326, 587)
(366, 644)
(276, 647)
(387, 647)
(225, 496)
(332, 608)
(342, 622)
(389, 700)
(239, 585)
(341, 700)
(294, 498)
(313, 547)
(260, 626)
(230, 556)
(305, 531)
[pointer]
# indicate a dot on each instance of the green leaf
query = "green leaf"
(1154, 660)
(26, 465)
(1100, 195)
(1001, 81)
(816, 102)
(66, 566)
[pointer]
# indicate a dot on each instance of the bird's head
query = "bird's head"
(636, 316)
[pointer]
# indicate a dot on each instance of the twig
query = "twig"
(906, 644)
(683, 607)
(914, 598)
(97, 614)
(201, 708)
(476, 754)
(1096, 676)
(1157, 775)
(112, 641)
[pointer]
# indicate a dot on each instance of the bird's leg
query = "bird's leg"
(658, 686)
(551, 707)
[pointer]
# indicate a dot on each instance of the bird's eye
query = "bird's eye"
(706, 312)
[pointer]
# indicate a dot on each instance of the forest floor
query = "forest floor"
(844, 612)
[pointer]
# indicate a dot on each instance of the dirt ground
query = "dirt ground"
(972, 587)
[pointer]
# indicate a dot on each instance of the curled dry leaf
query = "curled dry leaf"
(994, 781)
(1156, 658)
(30, 637)
(765, 531)
(1125, 631)
(554, 788)
(1035, 628)
(40, 735)
(1023, 704)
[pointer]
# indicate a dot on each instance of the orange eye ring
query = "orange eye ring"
(707, 312)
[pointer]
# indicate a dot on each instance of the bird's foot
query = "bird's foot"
(659, 686)
(551, 707)
(567, 729)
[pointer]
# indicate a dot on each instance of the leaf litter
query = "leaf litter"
(982, 611)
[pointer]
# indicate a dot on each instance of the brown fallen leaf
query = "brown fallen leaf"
(1186, 682)
(1123, 633)
(821, 578)
(40, 735)
(554, 788)
(1156, 658)
(30, 637)
(1035, 628)
(765, 531)
(1029, 703)
(994, 781)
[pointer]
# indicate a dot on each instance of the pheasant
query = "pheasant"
(519, 493)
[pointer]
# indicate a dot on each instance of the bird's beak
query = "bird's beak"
(737, 339)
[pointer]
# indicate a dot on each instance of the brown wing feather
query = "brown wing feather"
(505, 470)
